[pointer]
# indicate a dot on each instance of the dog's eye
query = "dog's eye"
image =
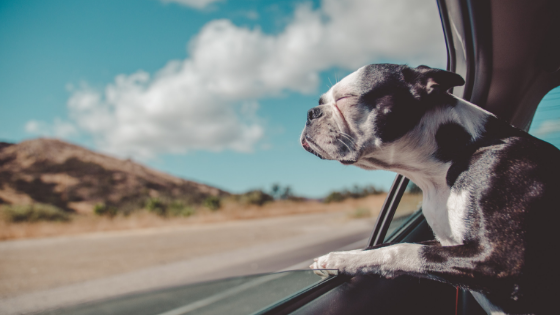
(345, 98)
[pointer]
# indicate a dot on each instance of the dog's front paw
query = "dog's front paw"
(341, 261)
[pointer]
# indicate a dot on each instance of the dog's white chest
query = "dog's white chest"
(446, 213)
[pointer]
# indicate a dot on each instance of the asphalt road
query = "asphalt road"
(218, 251)
(235, 295)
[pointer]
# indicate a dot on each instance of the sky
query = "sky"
(546, 123)
(211, 91)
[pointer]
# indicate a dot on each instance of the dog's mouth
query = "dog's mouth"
(347, 162)
(305, 145)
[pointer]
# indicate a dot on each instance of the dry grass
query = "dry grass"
(89, 223)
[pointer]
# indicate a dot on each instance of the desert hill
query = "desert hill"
(76, 179)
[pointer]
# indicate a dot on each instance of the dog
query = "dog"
(489, 189)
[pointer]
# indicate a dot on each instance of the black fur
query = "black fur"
(452, 141)
(510, 253)
(403, 91)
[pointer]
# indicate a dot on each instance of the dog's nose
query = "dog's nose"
(314, 113)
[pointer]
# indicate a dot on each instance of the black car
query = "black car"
(509, 54)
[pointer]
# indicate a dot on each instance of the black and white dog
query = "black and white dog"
(490, 190)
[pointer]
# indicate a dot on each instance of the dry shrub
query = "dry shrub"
(33, 213)
(361, 213)
(253, 197)
(230, 210)
(355, 193)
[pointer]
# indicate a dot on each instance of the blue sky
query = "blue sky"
(212, 91)
(546, 123)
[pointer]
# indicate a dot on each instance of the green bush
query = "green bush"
(212, 202)
(156, 206)
(33, 213)
(355, 192)
(334, 196)
(255, 197)
(104, 210)
(284, 193)
(167, 207)
(180, 209)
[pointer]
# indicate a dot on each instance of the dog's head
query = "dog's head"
(372, 108)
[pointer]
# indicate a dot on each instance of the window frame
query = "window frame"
(387, 212)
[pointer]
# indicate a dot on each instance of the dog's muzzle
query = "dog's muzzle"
(307, 148)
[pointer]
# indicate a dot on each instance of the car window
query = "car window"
(546, 122)
(411, 202)
(254, 294)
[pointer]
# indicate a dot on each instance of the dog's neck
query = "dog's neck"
(426, 168)
(414, 156)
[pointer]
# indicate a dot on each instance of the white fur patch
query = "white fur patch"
(350, 79)
(446, 212)
(457, 212)
(472, 117)
(434, 208)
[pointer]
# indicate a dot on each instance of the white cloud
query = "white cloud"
(208, 101)
(139, 116)
(197, 4)
(547, 127)
(34, 126)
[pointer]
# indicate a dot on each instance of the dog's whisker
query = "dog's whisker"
(351, 142)
(355, 146)
(347, 136)
(344, 144)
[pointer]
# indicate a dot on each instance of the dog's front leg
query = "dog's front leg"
(386, 261)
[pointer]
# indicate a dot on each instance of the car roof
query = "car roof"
(507, 51)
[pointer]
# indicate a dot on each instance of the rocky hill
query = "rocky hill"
(76, 179)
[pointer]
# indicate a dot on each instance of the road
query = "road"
(51, 273)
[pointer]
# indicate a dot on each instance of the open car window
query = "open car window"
(546, 122)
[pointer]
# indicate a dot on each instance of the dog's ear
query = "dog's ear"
(424, 80)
